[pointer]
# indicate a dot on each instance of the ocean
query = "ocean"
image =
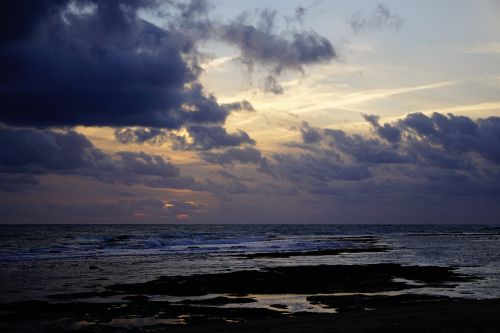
(41, 260)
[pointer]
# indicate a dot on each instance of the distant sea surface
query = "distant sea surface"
(40, 260)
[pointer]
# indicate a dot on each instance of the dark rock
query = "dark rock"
(297, 280)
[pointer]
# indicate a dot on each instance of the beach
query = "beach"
(230, 279)
(359, 297)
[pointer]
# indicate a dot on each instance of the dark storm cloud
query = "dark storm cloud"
(18, 19)
(317, 168)
(145, 164)
(362, 149)
(458, 134)
(379, 18)
(210, 137)
(141, 135)
(420, 123)
(199, 137)
(98, 63)
(203, 137)
(309, 134)
(246, 155)
(423, 155)
(386, 131)
(261, 44)
(39, 152)
(435, 140)
(418, 155)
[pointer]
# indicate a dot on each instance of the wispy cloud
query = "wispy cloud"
(302, 99)
(217, 63)
(312, 100)
(369, 95)
(380, 18)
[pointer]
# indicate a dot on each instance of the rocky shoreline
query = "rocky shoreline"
(226, 302)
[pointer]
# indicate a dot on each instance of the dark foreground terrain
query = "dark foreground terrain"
(436, 316)
(366, 298)
(440, 316)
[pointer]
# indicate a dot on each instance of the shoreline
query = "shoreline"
(228, 302)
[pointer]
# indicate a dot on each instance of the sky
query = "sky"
(232, 111)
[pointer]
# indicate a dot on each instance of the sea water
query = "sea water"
(41, 260)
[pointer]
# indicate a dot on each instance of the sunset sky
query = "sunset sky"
(232, 111)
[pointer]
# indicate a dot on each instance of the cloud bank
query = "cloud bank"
(94, 63)
(420, 155)
(41, 152)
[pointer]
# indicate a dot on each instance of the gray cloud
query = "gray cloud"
(438, 140)
(418, 157)
(144, 164)
(40, 152)
(423, 155)
(317, 168)
(141, 135)
(271, 85)
(203, 137)
(246, 155)
(98, 63)
(452, 135)
(386, 131)
(362, 149)
(261, 44)
(198, 138)
(239, 106)
(309, 134)
(420, 151)
(379, 18)
(210, 137)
